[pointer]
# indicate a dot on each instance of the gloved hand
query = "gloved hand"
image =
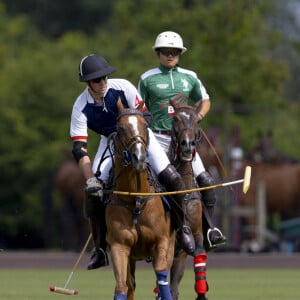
(200, 117)
(94, 187)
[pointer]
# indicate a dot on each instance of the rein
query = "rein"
(215, 153)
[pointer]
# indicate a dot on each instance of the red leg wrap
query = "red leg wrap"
(200, 273)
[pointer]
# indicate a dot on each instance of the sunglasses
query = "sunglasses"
(172, 52)
(97, 80)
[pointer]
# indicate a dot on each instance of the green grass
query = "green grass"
(225, 284)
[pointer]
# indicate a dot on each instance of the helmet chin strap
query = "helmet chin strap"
(90, 87)
(102, 102)
(95, 93)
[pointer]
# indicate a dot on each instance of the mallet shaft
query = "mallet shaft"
(245, 180)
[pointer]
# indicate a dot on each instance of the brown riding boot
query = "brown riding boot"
(172, 181)
(214, 235)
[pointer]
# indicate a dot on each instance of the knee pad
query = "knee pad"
(209, 196)
(171, 179)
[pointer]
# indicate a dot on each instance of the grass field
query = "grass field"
(225, 284)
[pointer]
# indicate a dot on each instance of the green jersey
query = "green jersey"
(160, 85)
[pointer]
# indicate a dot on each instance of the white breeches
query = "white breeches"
(197, 164)
(158, 159)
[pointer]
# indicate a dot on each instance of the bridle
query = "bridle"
(176, 138)
(135, 139)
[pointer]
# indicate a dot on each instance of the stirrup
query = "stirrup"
(211, 245)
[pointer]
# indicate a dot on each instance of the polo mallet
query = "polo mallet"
(64, 290)
(245, 181)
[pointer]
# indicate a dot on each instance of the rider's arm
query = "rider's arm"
(81, 155)
(205, 107)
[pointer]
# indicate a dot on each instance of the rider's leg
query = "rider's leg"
(172, 181)
(95, 211)
(215, 236)
(204, 179)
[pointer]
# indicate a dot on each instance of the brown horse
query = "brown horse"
(138, 228)
(280, 176)
(184, 138)
(281, 184)
(69, 183)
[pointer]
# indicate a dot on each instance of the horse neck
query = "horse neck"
(128, 179)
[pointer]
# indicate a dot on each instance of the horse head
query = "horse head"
(131, 140)
(185, 131)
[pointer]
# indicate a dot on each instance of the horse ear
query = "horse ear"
(120, 105)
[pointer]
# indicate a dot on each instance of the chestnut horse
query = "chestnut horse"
(282, 189)
(281, 178)
(138, 227)
(69, 183)
(184, 138)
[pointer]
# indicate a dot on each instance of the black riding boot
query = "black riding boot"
(95, 211)
(99, 256)
(213, 234)
(172, 181)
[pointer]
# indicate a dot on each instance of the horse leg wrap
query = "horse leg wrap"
(120, 297)
(156, 293)
(163, 285)
(201, 286)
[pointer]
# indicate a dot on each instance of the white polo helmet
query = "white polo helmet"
(169, 39)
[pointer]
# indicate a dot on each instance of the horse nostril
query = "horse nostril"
(183, 143)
